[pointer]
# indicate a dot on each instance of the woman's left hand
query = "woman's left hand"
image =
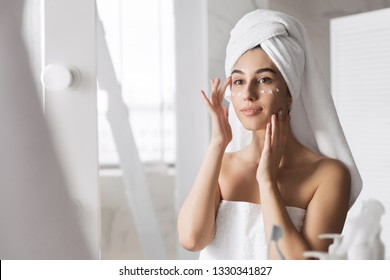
(273, 150)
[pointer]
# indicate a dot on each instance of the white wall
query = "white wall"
(316, 14)
(191, 76)
(71, 112)
(360, 84)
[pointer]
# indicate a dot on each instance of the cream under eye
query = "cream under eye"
(270, 90)
(237, 93)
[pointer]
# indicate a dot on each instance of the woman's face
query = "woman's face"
(258, 90)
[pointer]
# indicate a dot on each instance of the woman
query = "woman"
(296, 172)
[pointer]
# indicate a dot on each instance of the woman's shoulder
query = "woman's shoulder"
(326, 166)
(328, 172)
(333, 178)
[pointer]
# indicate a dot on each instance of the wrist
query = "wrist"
(218, 146)
(266, 183)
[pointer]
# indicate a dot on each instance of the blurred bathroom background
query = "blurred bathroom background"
(149, 140)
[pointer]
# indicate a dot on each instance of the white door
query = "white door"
(69, 58)
(37, 207)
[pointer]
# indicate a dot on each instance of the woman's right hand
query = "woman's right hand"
(221, 133)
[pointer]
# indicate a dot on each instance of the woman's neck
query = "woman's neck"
(255, 148)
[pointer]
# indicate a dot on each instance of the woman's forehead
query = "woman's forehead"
(252, 61)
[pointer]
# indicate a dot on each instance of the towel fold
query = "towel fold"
(314, 119)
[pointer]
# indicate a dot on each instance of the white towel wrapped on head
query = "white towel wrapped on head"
(314, 119)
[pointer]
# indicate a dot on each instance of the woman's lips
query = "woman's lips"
(251, 110)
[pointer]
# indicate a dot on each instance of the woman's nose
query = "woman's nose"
(250, 93)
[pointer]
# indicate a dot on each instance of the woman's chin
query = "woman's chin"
(253, 123)
(251, 126)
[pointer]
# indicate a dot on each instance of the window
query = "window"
(140, 39)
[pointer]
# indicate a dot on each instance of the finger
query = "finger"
(216, 82)
(286, 127)
(212, 82)
(214, 92)
(207, 101)
(226, 113)
(221, 92)
(283, 126)
(281, 122)
(267, 140)
(275, 130)
(287, 121)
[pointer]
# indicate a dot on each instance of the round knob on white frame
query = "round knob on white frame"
(57, 77)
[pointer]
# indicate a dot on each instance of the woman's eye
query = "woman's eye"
(238, 82)
(265, 80)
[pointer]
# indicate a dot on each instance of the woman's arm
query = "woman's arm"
(326, 211)
(196, 220)
(292, 244)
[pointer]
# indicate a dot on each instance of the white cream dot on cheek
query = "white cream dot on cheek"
(239, 94)
(270, 91)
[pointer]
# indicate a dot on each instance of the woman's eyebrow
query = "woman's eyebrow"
(237, 72)
(258, 71)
